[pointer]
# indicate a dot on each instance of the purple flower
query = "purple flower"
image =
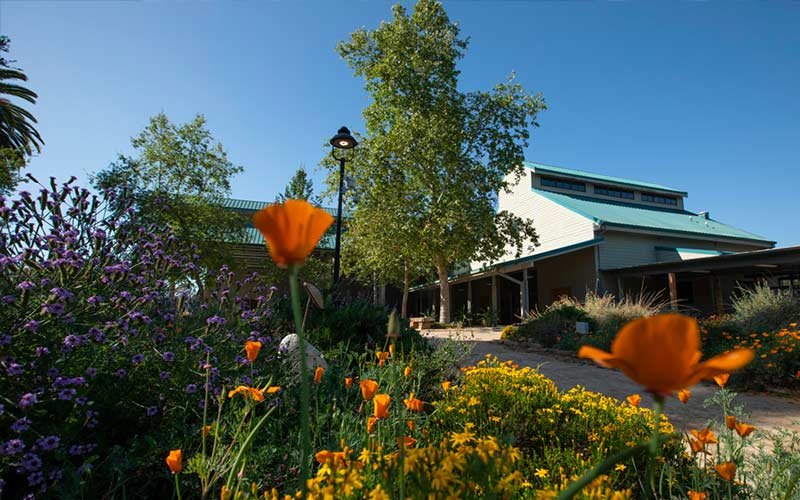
(82, 400)
(21, 425)
(31, 462)
(71, 341)
(27, 400)
(137, 359)
(26, 285)
(216, 320)
(31, 325)
(42, 351)
(52, 372)
(56, 309)
(12, 447)
(152, 411)
(5, 339)
(168, 356)
(120, 373)
(67, 394)
(7, 299)
(48, 443)
(35, 478)
(94, 300)
(91, 372)
(164, 375)
(191, 389)
(14, 369)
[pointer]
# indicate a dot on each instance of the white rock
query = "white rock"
(290, 354)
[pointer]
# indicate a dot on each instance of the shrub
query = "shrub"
(104, 351)
(761, 309)
(510, 332)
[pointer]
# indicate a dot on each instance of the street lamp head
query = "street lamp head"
(343, 139)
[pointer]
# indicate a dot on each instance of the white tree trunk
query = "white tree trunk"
(444, 292)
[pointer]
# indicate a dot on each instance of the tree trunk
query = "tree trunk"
(444, 291)
(406, 284)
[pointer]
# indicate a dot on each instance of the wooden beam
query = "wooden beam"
(716, 290)
(509, 278)
(673, 291)
(524, 299)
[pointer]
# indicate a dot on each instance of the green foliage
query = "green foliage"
(434, 158)
(761, 309)
(176, 179)
(300, 187)
(11, 163)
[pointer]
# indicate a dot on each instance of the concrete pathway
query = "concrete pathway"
(768, 411)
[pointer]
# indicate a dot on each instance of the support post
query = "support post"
(673, 291)
(524, 299)
(620, 289)
(719, 303)
(494, 294)
(469, 297)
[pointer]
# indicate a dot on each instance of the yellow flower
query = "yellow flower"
(541, 473)
(407, 372)
(225, 493)
(662, 353)
(175, 461)
(291, 230)
(252, 347)
(620, 467)
(446, 384)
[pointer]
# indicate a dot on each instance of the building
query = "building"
(606, 234)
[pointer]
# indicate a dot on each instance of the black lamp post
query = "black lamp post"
(342, 140)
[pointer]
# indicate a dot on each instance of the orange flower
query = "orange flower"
(371, 421)
(446, 385)
(722, 379)
(318, 373)
(273, 389)
(411, 425)
(696, 446)
(330, 456)
(391, 348)
(730, 422)
(726, 470)
(662, 353)
(348, 382)
(206, 430)
(368, 388)
(413, 403)
(683, 395)
(407, 372)
(634, 400)
(252, 347)
(225, 493)
(696, 495)
(291, 229)
(381, 402)
(406, 441)
(175, 461)
(382, 357)
(705, 436)
(744, 430)
(251, 392)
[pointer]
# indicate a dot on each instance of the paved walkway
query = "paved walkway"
(768, 411)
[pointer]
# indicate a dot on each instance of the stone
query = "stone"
(289, 352)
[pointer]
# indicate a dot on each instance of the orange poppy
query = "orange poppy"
(634, 400)
(704, 436)
(722, 379)
(273, 389)
(368, 388)
(697, 495)
(175, 461)
(206, 430)
(391, 348)
(332, 456)
(250, 392)
(382, 357)
(744, 430)
(726, 470)
(371, 421)
(683, 395)
(407, 372)
(291, 229)
(446, 385)
(413, 403)
(411, 425)
(318, 373)
(348, 382)
(252, 347)
(225, 493)
(696, 446)
(730, 422)
(406, 441)
(381, 402)
(662, 353)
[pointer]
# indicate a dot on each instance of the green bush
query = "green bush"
(761, 309)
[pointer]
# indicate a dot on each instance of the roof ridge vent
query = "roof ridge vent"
(705, 214)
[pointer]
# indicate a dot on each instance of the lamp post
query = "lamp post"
(342, 140)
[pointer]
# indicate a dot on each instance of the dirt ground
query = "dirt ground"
(768, 411)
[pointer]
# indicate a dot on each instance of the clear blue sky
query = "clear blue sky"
(703, 96)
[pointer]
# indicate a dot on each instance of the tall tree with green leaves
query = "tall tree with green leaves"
(300, 187)
(178, 177)
(450, 151)
(19, 138)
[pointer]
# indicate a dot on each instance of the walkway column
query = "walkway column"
(673, 291)
(494, 294)
(469, 297)
(523, 292)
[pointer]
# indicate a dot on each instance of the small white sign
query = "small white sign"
(582, 327)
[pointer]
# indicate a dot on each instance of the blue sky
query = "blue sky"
(702, 96)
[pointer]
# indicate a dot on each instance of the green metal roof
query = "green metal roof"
(646, 217)
(541, 168)
(251, 236)
(255, 206)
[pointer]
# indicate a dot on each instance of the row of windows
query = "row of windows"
(606, 191)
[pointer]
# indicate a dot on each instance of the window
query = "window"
(657, 198)
(614, 192)
(563, 184)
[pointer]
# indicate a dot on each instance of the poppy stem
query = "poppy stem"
(305, 389)
(177, 485)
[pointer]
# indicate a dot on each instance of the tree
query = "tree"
(18, 136)
(300, 187)
(450, 152)
(178, 177)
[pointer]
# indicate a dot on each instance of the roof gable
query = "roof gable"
(541, 168)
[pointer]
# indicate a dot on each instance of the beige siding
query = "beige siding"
(620, 249)
(573, 273)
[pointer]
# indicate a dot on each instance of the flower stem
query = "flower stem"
(177, 486)
(305, 389)
(658, 406)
